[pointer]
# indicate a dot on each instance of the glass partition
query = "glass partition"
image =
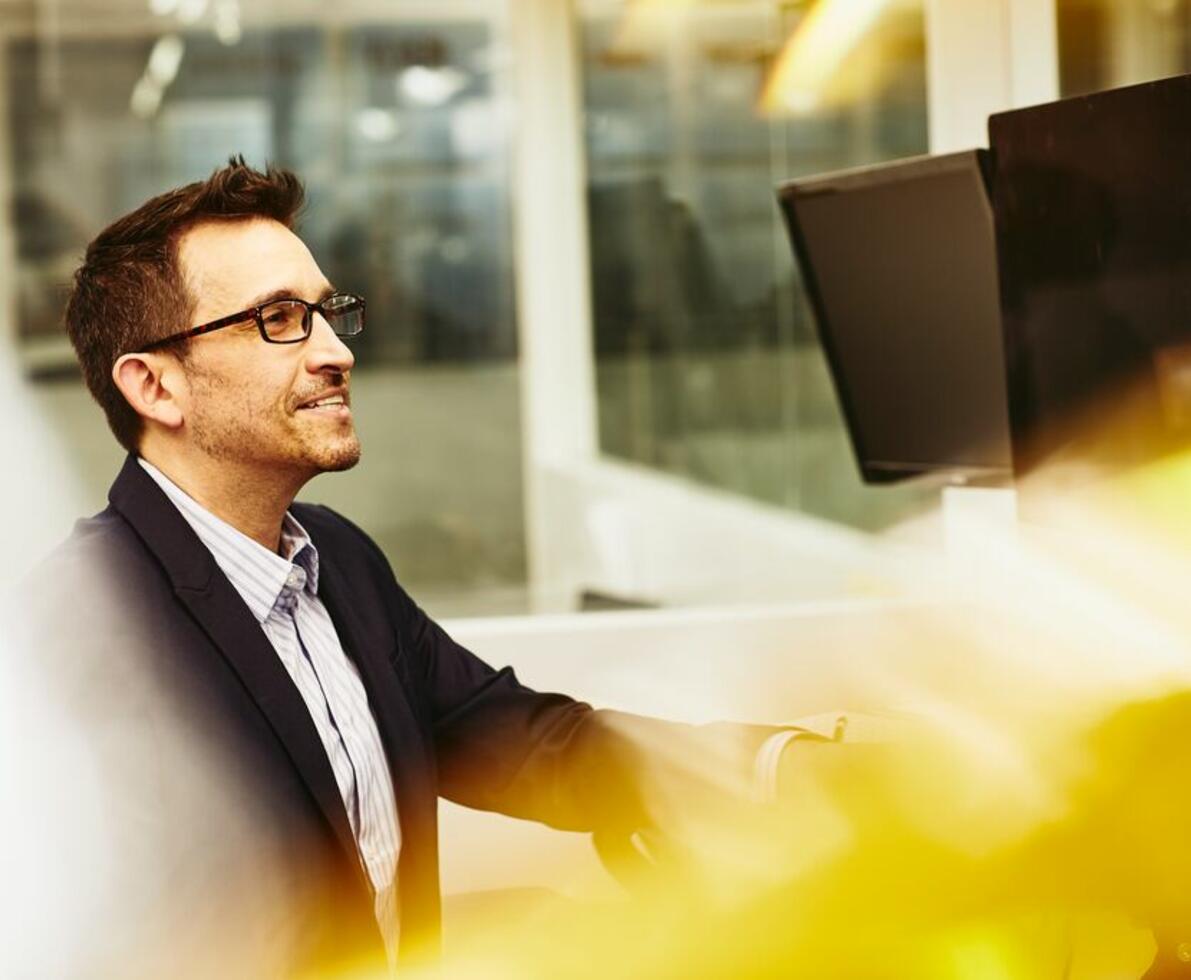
(398, 116)
(394, 114)
(708, 365)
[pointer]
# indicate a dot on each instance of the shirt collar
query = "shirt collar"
(300, 550)
(259, 575)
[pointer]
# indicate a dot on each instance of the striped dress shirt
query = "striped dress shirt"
(281, 591)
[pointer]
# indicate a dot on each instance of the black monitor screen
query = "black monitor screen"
(900, 265)
(1093, 214)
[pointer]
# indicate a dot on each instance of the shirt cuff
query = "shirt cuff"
(766, 765)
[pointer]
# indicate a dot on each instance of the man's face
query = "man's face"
(250, 401)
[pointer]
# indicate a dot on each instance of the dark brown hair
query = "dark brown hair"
(130, 289)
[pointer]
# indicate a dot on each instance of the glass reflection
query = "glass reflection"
(707, 361)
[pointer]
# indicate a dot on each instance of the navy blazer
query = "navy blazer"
(145, 593)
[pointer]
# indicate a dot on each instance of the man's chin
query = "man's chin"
(342, 456)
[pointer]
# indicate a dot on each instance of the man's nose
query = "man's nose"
(325, 350)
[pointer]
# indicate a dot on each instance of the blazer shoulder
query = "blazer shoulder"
(101, 538)
(84, 586)
(346, 540)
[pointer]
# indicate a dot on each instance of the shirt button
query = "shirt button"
(1183, 952)
(294, 579)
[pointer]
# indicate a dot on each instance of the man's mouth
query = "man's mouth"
(334, 404)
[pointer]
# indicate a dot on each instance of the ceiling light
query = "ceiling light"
(191, 11)
(146, 98)
(377, 125)
(165, 59)
(431, 86)
(227, 22)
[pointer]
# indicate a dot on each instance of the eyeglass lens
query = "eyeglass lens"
(289, 320)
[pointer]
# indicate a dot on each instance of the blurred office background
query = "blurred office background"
(590, 377)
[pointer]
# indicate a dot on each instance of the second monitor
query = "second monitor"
(899, 262)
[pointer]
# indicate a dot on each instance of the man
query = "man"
(268, 639)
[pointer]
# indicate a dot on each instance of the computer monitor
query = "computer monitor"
(899, 262)
(1093, 215)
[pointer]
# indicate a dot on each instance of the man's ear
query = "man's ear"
(151, 384)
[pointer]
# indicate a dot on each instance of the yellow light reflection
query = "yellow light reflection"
(831, 58)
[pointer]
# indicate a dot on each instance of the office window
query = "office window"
(708, 365)
(1108, 43)
(394, 116)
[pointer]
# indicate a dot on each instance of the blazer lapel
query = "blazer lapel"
(367, 635)
(217, 607)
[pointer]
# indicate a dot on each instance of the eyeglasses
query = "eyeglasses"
(286, 321)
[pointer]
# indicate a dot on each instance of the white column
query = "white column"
(985, 56)
(1033, 51)
(558, 404)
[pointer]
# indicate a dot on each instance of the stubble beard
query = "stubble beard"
(247, 435)
(342, 456)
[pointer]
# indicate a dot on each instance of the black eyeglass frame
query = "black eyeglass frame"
(256, 313)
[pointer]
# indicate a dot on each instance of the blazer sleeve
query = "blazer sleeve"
(547, 757)
(502, 746)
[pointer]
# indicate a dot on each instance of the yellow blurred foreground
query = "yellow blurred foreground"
(1026, 819)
